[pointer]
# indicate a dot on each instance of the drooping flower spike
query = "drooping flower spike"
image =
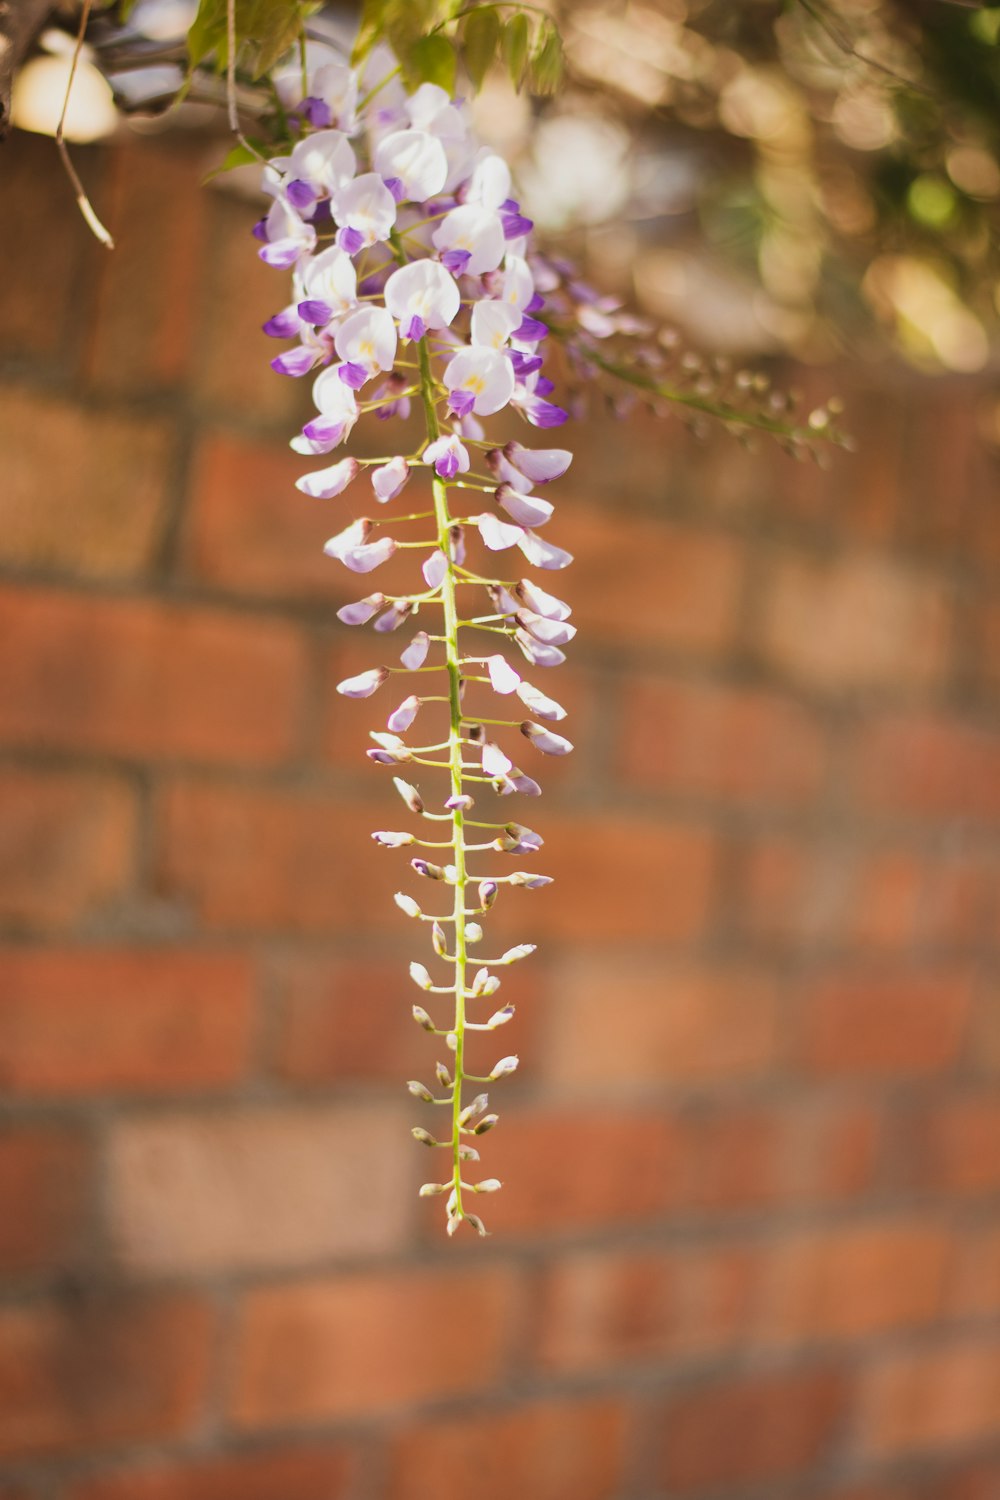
(411, 281)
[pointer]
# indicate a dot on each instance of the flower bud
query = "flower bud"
(422, 1018)
(488, 891)
(435, 1189)
(477, 1224)
(488, 1185)
(364, 684)
(451, 1042)
(420, 1091)
(473, 932)
(393, 840)
(424, 1136)
(431, 872)
(438, 940)
(443, 1076)
(504, 1067)
(409, 794)
(461, 803)
(468, 1153)
(519, 951)
(533, 882)
(485, 1124)
(500, 1017)
(406, 904)
(476, 1107)
(420, 976)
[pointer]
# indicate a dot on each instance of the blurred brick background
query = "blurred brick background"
(749, 1244)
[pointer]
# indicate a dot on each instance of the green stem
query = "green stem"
(453, 662)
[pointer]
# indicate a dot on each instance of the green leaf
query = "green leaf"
(273, 27)
(516, 40)
(207, 31)
(433, 59)
(239, 156)
(546, 69)
(480, 39)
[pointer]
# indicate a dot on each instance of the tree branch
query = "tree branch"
(20, 23)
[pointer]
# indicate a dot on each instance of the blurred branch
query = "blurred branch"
(841, 38)
(20, 23)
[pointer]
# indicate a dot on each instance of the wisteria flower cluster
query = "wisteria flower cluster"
(412, 283)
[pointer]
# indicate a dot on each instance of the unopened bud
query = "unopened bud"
(520, 950)
(477, 1224)
(435, 1189)
(486, 1123)
(420, 976)
(422, 1018)
(409, 794)
(420, 1091)
(484, 985)
(439, 941)
(406, 904)
(488, 890)
(477, 1106)
(451, 1041)
(423, 1136)
(532, 881)
(488, 1185)
(468, 1153)
(461, 802)
(423, 867)
(452, 1224)
(443, 1076)
(393, 840)
(505, 1067)
(500, 1017)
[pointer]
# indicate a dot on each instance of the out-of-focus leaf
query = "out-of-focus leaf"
(207, 32)
(433, 60)
(480, 40)
(273, 27)
(545, 70)
(516, 41)
(239, 156)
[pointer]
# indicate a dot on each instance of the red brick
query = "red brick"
(975, 1281)
(868, 1023)
(152, 282)
(630, 1024)
(642, 580)
(928, 768)
(854, 622)
(886, 904)
(357, 1345)
(855, 1281)
(788, 891)
(925, 1400)
(985, 1049)
(198, 1193)
(834, 1150)
(260, 860)
(749, 1429)
(699, 739)
(549, 1450)
(84, 491)
(231, 364)
(76, 1376)
(624, 1307)
(89, 1021)
(733, 1159)
(44, 1177)
(565, 1170)
(986, 664)
(66, 846)
(40, 290)
(342, 1019)
(147, 680)
(960, 1149)
(285, 1473)
(976, 1481)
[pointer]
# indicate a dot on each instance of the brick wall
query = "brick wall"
(749, 1245)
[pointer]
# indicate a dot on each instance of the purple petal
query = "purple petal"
(415, 329)
(434, 568)
(524, 364)
(317, 112)
(502, 675)
(456, 261)
(315, 312)
(395, 615)
(497, 534)
(530, 331)
(549, 632)
(516, 225)
(297, 361)
(368, 555)
(351, 240)
(416, 652)
(284, 325)
(537, 652)
(543, 554)
(461, 402)
(539, 464)
(353, 375)
(542, 603)
(364, 684)
(396, 188)
(545, 740)
(361, 612)
(301, 194)
(543, 414)
(402, 717)
(544, 708)
(526, 510)
(495, 762)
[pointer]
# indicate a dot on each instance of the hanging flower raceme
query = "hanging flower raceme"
(411, 282)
